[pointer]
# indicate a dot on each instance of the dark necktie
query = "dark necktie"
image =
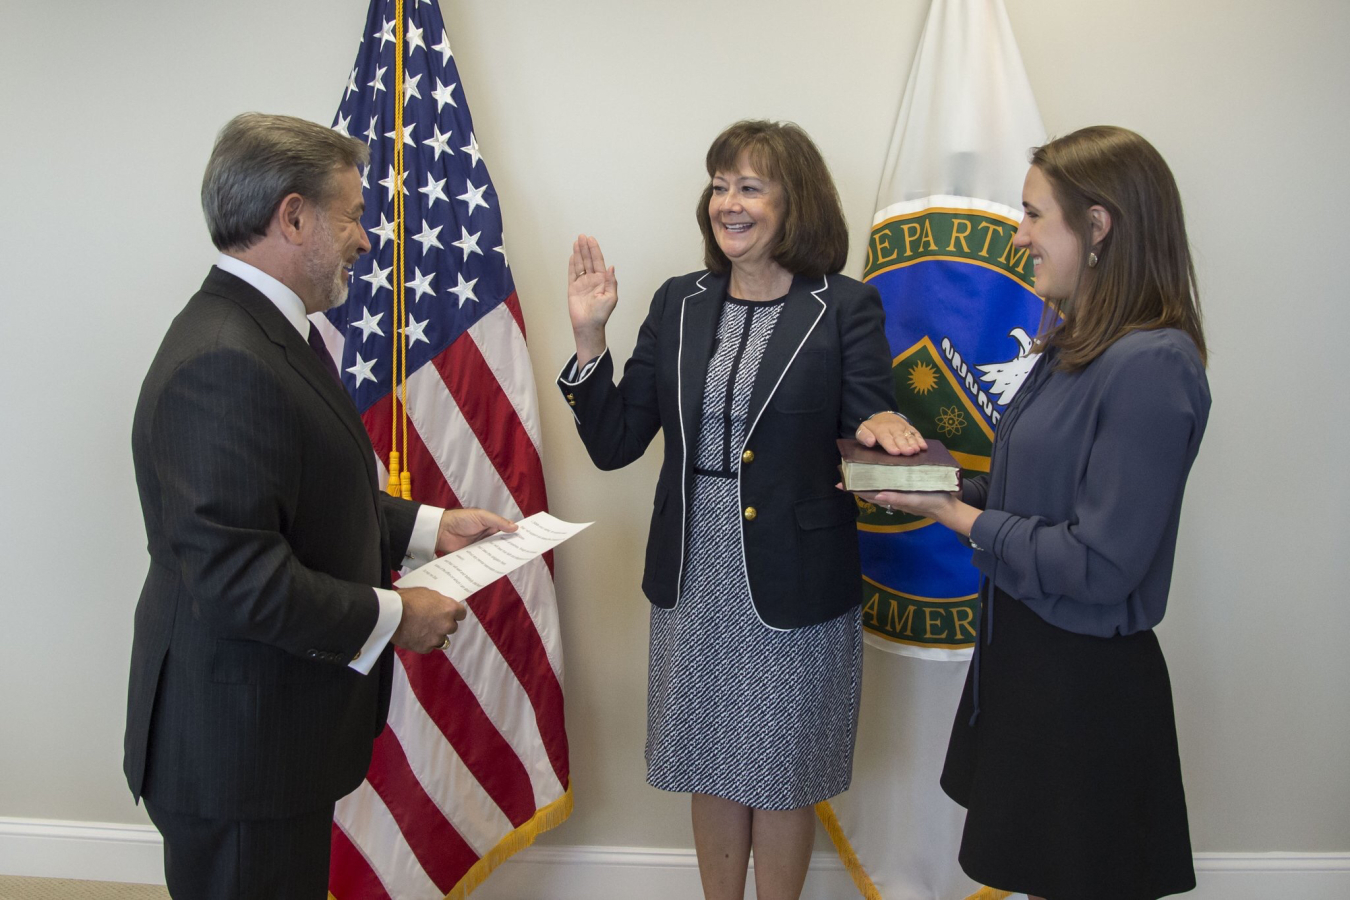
(325, 357)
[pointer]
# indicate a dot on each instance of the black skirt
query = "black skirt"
(1070, 774)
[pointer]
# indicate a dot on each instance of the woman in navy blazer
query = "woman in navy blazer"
(752, 367)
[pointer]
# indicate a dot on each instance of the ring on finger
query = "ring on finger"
(445, 644)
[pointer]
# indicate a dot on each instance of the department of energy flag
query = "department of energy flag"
(473, 764)
(959, 317)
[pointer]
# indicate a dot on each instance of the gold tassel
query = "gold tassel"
(405, 480)
(393, 488)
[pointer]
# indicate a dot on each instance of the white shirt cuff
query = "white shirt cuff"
(391, 613)
(571, 377)
(421, 550)
(422, 544)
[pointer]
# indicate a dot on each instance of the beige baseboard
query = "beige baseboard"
(99, 851)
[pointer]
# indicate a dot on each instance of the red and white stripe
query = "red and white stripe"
(473, 762)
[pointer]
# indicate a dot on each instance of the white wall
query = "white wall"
(595, 116)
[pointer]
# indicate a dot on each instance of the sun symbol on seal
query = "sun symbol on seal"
(922, 378)
(952, 421)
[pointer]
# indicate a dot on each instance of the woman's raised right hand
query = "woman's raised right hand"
(592, 294)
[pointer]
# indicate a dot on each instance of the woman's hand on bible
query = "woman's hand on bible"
(893, 433)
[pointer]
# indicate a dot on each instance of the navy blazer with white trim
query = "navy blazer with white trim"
(826, 369)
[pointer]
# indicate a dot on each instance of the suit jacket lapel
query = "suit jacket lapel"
(299, 355)
(307, 363)
(698, 328)
(801, 311)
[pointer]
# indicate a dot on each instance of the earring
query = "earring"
(1092, 259)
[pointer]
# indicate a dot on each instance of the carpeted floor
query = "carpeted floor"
(61, 889)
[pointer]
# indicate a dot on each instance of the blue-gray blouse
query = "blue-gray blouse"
(1083, 497)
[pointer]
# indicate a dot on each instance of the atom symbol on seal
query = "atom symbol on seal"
(952, 421)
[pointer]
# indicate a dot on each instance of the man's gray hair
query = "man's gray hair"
(258, 160)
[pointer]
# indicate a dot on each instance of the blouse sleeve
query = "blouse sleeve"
(975, 490)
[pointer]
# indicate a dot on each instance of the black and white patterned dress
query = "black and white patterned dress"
(735, 708)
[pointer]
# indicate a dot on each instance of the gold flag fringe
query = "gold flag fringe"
(988, 893)
(549, 817)
(847, 856)
(861, 879)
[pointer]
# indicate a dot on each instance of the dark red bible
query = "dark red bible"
(868, 469)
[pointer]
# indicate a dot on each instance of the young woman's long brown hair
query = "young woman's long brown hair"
(1144, 277)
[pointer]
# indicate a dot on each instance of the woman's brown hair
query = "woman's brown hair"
(1144, 277)
(814, 238)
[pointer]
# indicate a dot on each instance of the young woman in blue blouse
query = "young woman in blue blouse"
(1064, 748)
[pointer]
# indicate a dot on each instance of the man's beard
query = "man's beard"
(317, 267)
(337, 290)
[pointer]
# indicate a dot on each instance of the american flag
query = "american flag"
(473, 764)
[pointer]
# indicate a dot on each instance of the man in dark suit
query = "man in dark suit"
(262, 658)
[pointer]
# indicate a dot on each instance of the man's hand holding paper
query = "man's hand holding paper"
(429, 618)
(475, 565)
(461, 527)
